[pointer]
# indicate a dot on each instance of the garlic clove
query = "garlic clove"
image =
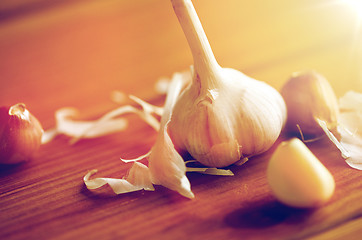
(20, 133)
(309, 96)
(297, 178)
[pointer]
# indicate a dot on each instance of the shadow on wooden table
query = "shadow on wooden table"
(264, 214)
(8, 169)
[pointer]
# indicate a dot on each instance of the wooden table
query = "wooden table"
(75, 53)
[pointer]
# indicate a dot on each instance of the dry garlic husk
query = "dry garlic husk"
(109, 123)
(350, 127)
(137, 179)
(165, 165)
(310, 99)
(223, 115)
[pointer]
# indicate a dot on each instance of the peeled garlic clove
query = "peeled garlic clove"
(297, 178)
(309, 96)
(20, 133)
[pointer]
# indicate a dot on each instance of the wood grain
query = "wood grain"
(77, 52)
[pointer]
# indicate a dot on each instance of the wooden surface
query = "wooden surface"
(75, 53)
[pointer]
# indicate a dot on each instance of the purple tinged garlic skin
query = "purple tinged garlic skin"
(20, 134)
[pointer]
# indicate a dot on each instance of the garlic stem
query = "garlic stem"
(223, 115)
(204, 60)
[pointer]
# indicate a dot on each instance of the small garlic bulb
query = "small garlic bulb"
(309, 98)
(223, 115)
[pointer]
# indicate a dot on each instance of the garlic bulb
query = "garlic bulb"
(223, 115)
(310, 98)
(20, 134)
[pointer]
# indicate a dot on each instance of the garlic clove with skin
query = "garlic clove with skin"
(313, 108)
(310, 99)
(20, 133)
(223, 115)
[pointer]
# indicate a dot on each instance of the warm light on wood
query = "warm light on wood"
(75, 53)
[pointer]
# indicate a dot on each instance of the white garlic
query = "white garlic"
(223, 115)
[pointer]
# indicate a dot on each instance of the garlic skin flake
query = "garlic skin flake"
(138, 178)
(350, 127)
(165, 165)
(109, 123)
(223, 115)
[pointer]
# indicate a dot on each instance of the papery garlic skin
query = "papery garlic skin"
(20, 134)
(309, 97)
(223, 115)
(167, 167)
(235, 119)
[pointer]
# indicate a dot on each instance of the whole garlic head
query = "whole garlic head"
(240, 117)
(223, 115)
